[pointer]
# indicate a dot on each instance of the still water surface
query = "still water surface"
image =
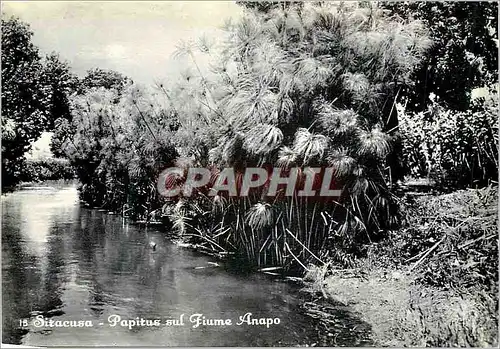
(70, 263)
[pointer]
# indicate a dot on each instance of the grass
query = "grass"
(432, 283)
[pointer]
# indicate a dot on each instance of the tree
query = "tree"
(35, 93)
(108, 79)
(267, 6)
(95, 78)
(464, 54)
(63, 84)
(25, 97)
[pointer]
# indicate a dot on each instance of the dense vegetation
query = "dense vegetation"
(35, 91)
(40, 170)
(118, 142)
(378, 92)
(464, 54)
(289, 85)
(434, 149)
(283, 90)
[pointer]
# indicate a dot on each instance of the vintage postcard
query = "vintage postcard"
(249, 174)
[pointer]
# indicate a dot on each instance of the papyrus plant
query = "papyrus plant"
(304, 86)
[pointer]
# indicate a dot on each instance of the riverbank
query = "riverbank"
(431, 283)
(439, 293)
(403, 313)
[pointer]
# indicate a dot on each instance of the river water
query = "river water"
(62, 262)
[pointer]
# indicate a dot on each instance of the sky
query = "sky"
(136, 38)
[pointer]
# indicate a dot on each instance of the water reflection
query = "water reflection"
(32, 254)
(70, 263)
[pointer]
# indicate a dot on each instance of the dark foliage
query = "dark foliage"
(450, 241)
(34, 93)
(464, 54)
(46, 169)
(455, 149)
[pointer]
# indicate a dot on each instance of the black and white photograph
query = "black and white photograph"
(249, 173)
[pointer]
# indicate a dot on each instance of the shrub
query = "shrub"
(450, 241)
(456, 148)
(118, 141)
(38, 170)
